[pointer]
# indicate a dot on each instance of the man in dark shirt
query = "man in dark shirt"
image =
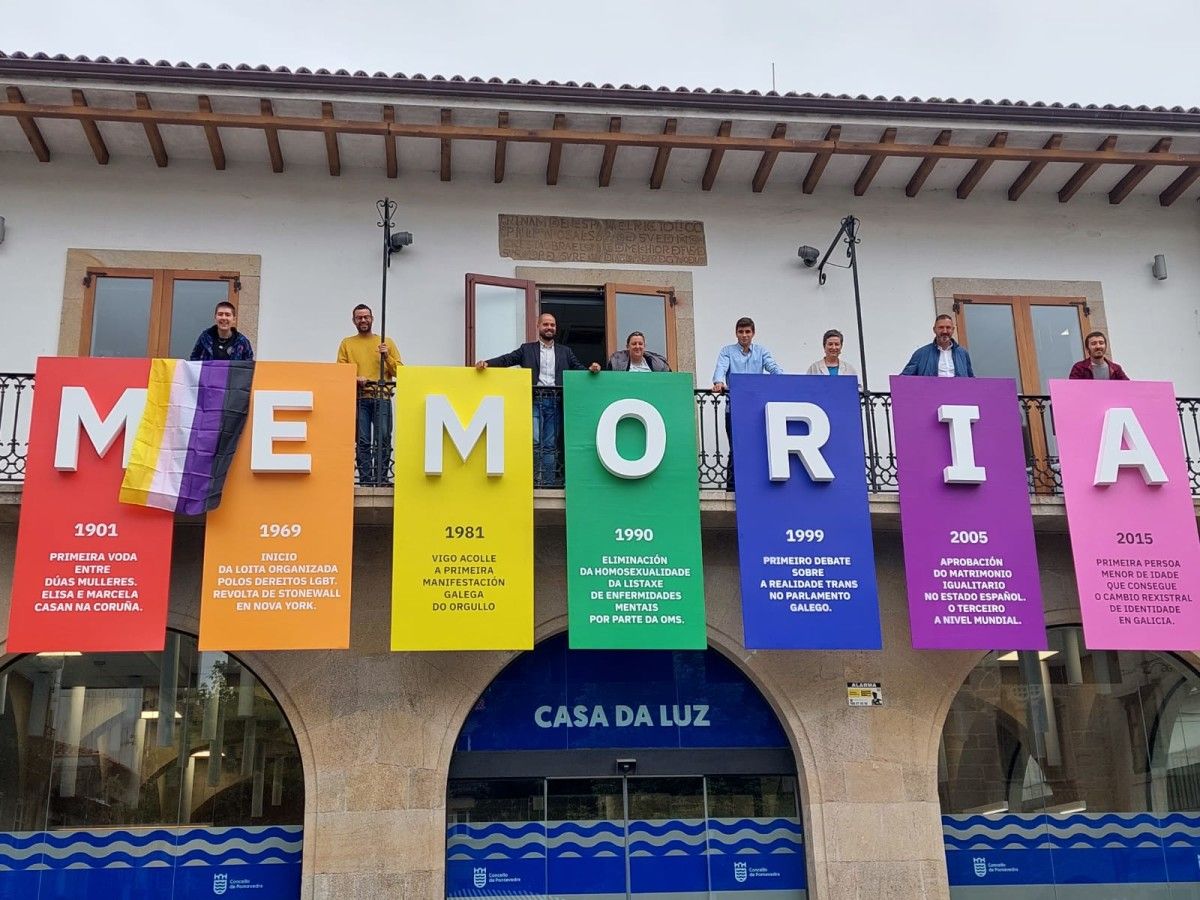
(1096, 366)
(223, 340)
(547, 361)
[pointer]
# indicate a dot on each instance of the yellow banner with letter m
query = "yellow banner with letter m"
(462, 569)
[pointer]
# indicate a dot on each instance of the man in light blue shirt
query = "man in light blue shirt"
(744, 357)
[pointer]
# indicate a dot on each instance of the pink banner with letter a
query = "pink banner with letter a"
(1130, 512)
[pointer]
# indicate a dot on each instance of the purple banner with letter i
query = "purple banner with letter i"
(969, 556)
(804, 527)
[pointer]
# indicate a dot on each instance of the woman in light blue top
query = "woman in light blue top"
(832, 363)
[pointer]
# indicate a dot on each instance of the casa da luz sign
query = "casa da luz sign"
(286, 525)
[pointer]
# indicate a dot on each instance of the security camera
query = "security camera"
(626, 766)
(400, 240)
(808, 256)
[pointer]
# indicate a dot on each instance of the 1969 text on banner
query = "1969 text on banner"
(969, 553)
(1130, 513)
(804, 527)
(635, 578)
(462, 571)
(277, 551)
(91, 573)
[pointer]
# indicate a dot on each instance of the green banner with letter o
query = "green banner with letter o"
(635, 577)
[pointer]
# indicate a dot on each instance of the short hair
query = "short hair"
(832, 332)
(361, 306)
(632, 335)
(544, 313)
(946, 316)
(1092, 334)
(224, 303)
(744, 322)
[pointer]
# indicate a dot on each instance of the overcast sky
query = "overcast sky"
(1100, 51)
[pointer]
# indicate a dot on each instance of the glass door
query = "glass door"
(668, 837)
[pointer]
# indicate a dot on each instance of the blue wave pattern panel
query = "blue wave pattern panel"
(1081, 848)
(181, 863)
(586, 858)
(496, 859)
(751, 855)
(668, 856)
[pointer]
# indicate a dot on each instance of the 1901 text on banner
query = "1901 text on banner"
(635, 579)
(969, 554)
(91, 573)
(804, 528)
(462, 572)
(277, 551)
(1130, 512)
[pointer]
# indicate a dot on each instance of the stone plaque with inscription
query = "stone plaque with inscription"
(581, 239)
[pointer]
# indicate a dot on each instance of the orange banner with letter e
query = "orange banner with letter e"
(91, 573)
(277, 552)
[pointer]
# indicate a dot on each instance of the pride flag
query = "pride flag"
(195, 412)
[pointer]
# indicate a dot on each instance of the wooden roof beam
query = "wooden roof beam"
(447, 116)
(817, 167)
(1135, 175)
(1033, 169)
(926, 166)
(715, 156)
(1175, 190)
(660, 159)
(610, 153)
(501, 149)
(153, 135)
(33, 134)
(212, 135)
(554, 158)
(391, 157)
(980, 168)
(1084, 172)
(873, 163)
(763, 172)
(91, 130)
(272, 135)
(331, 144)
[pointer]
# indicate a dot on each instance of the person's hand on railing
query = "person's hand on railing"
(719, 387)
(481, 365)
(594, 368)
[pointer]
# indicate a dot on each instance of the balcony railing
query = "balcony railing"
(1041, 455)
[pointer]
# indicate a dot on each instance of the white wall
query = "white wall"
(320, 249)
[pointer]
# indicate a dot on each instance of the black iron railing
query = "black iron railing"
(712, 441)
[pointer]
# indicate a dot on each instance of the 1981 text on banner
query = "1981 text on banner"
(462, 572)
(635, 577)
(804, 527)
(91, 574)
(277, 551)
(1130, 512)
(969, 553)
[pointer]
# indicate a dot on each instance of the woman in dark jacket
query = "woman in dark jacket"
(636, 358)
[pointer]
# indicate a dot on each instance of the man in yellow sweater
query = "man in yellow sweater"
(376, 362)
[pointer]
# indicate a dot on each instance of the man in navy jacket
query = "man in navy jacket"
(944, 357)
(546, 360)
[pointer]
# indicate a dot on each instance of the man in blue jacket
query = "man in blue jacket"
(546, 361)
(943, 358)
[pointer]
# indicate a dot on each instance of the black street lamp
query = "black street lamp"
(393, 242)
(848, 230)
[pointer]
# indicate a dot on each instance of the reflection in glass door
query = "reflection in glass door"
(1031, 340)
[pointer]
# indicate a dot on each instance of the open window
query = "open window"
(150, 312)
(501, 314)
(594, 320)
(637, 307)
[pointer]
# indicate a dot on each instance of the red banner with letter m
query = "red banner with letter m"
(91, 573)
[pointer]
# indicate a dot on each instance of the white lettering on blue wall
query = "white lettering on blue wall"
(687, 715)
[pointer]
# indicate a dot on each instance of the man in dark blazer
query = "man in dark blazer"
(546, 361)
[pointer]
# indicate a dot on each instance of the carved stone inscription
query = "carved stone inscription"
(579, 239)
